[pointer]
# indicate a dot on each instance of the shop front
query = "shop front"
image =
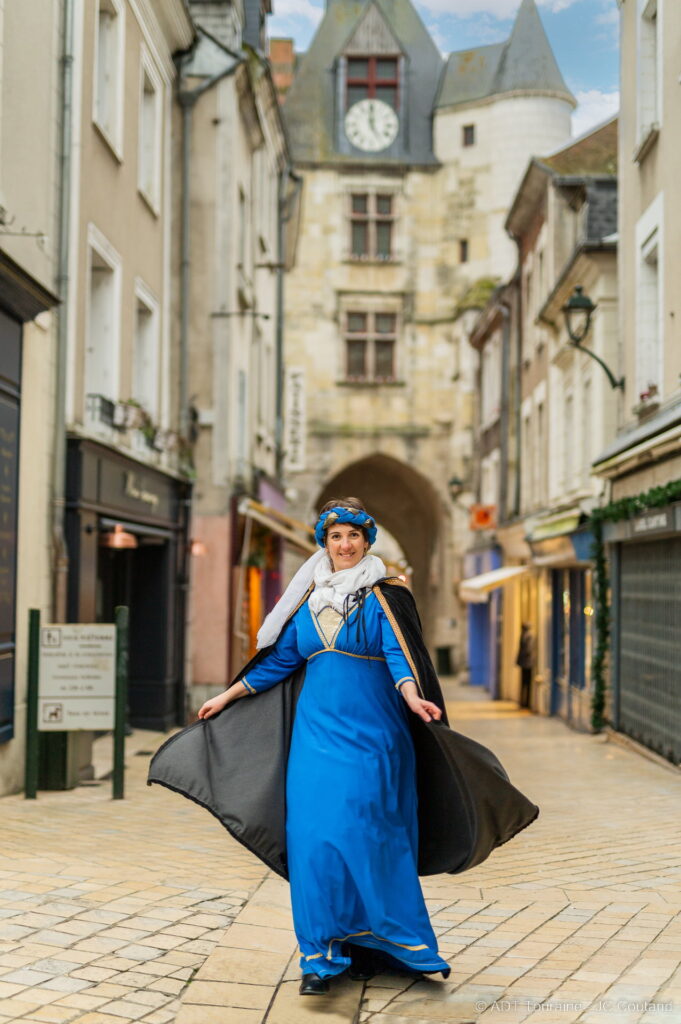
(128, 544)
(266, 535)
(645, 572)
(26, 438)
(562, 561)
(484, 617)
(10, 408)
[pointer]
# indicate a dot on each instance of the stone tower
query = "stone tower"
(409, 163)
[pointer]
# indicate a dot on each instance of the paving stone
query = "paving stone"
(259, 966)
(126, 1009)
(63, 983)
(247, 936)
(572, 908)
(226, 993)
(217, 1015)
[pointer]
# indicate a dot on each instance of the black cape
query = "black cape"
(234, 765)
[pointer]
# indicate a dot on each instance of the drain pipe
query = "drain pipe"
(60, 556)
(285, 208)
(504, 418)
(188, 98)
(517, 281)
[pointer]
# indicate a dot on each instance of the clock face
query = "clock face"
(371, 125)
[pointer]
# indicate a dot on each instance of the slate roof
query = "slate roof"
(595, 152)
(310, 105)
(525, 62)
(470, 75)
(588, 163)
(601, 220)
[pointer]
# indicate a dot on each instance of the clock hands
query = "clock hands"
(371, 125)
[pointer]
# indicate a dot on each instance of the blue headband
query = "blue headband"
(339, 514)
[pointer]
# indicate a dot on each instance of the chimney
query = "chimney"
(283, 64)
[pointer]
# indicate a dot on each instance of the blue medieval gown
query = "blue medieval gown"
(351, 799)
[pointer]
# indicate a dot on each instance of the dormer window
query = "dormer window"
(372, 78)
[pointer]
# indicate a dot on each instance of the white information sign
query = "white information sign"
(77, 676)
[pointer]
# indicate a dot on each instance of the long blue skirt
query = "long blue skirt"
(352, 831)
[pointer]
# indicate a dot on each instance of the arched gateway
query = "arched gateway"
(411, 508)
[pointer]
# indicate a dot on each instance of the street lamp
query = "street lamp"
(578, 311)
(456, 487)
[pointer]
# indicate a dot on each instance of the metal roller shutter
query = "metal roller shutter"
(650, 645)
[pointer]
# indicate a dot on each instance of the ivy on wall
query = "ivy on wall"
(623, 508)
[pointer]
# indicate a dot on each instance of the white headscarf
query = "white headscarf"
(330, 588)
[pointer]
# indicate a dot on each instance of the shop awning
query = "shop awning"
(558, 525)
(292, 530)
(476, 589)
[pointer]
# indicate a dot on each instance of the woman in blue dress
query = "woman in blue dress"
(351, 797)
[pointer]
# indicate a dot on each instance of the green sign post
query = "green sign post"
(31, 784)
(121, 701)
(77, 679)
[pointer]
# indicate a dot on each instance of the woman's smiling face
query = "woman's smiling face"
(346, 545)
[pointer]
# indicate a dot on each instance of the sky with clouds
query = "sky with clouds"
(584, 35)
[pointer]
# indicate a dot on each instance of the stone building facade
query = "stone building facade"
(641, 467)
(545, 409)
(410, 163)
(87, 213)
(236, 238)
(29, 229)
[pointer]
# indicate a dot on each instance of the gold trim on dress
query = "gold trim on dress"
(380, 938)
(251, 689)
(395, 581)
(404, 679)
(348, 654)
(398, 633)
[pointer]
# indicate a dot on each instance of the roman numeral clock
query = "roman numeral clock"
(371, 125)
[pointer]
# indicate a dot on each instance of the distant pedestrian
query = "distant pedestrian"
(525, 660)
(339, 770)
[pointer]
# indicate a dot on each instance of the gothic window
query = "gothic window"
(370, 346)
(371, 226)
(372, 78)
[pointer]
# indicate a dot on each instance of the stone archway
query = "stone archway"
(407, 504)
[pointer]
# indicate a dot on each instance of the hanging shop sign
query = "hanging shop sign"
(295, 419)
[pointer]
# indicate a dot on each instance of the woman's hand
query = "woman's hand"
(425, 709)
(212, 706)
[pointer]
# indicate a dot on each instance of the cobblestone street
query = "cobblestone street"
(145, 909)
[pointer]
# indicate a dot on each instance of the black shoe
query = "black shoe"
(366, 963)
(313, 985)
